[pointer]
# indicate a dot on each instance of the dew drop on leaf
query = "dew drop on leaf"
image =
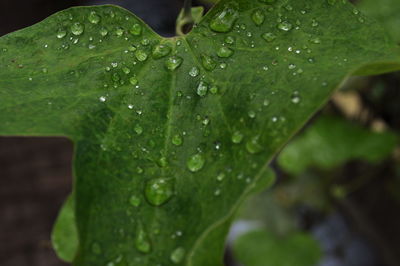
(237, 137)
(135, 201)
(202, 89)
(61, 34)
(161, 50)
(258, 17)
(229, 40)
(194, 71)
(158, 191)
(77, 28)
(285, 26)
(142, 240)
(133, 81)
(119, 31)
(103, 32)
(225, 52)
(195, 163)
(268, 36)
(138, 129)
(253, 146)
(177, 140)
(141, 55)
(208, 63)
(94, 18)
(223, 22)
(221, 177)
(136, 29)
(178, 255)
(173, 62)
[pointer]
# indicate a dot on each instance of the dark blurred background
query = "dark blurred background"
(350, 208)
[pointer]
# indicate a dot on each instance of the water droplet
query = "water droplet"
(194, 71)
(221, 177)
(126, 70)
(94, 18)
(177, 140)
(61, 34)
(258, 17)
(252, 114)
(269, 36)
(214, 89)
(158, 191)
(77, 28)
(135, 201)
(173, 62)
(237, 137)
(178, 255)
(119, 31)
(138, 129)
(195, 163)
(136, 29)
(315, 40)
(208, 63)
(225, 52)
(142, 240)
(202, 89)
(285, 26)
(253, 146)
(103, 32)
(223, 22)
(141, 55)
(161, 50)
(102, 99)
(230, 40)
(133, 81)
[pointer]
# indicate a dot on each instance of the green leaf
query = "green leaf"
(156, 120)
(65, 236)
(332, 141)
(262, 248)
(386, 12)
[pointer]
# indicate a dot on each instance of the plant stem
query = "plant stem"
(187, 9)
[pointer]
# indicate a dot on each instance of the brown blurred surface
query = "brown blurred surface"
(35, 178)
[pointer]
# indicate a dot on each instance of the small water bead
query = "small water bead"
(178, 255)
(114, 64)
(214, 89)
(225, 52)
(194, 72)
(253, 146)
(141, 55)
(315, 40)
(119, 31)
(45, 70)
(103, 32)
(195, 162)
(173, 62)
(161, 50)
(202, 89)
(237, 137)
(258, 17)
(77, 28)
(145, 42)
(102, 99)
(158, 191)
(136, 29)
(177, 140)
(134, 81)
(217, 192)
(208, 63)
(126, 70)
(61, 34)
(251, 114)
(292, 66)
(135, 201)
(224, 21)
(269, 36)
(296, 98)
(94, 18)
(285, 26)
(314, 23)
(221, 177)
(230, 40)
(142, 241)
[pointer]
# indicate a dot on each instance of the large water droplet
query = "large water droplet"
(225, 52)
(94, 18)
(202, 89)
(141, 55)
(158, 191)
(178, 255)
(77, 28)
(194, 71)
(136, 29)
(223, 22)
(196, 162)
(61, 34)
(208, 63)
(173, 62)
(161, 50)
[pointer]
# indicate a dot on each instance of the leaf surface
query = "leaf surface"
(157, 121)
